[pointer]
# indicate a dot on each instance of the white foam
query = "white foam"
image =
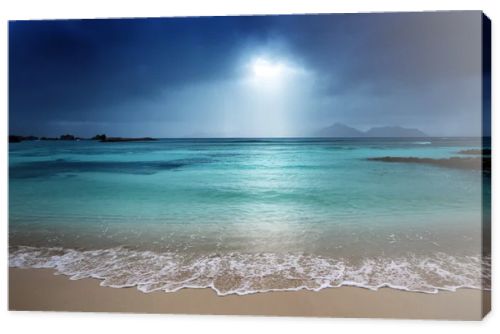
(244, 273)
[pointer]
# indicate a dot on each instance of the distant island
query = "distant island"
(342, 130)
(104, 139)
(18, 139)
(68, 137)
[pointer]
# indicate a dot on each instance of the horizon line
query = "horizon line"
(263, 137)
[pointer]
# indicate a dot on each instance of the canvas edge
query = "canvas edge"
(486, 133)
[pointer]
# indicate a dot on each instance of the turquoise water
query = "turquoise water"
(247, 215)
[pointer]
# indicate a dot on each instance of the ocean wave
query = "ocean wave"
(245, 273)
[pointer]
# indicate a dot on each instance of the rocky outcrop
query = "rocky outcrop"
(68, 137)
(484, 151)
(18, 139)
(99, 137)
(474, 163)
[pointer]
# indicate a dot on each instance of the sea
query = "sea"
(249, 215)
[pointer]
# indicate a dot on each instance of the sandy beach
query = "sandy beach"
(41, 290)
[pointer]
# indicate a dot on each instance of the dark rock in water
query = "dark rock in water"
(18, 139)
(99, 137)
(120, 139)
(484, 151)
(15, 139)
(475, 163)
(67, 137)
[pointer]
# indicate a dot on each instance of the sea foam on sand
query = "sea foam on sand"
(244, 273)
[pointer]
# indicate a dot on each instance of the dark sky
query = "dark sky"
(246, 76)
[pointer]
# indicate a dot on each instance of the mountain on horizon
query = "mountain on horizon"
(342, 130)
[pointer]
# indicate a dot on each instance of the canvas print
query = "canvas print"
(333, 165)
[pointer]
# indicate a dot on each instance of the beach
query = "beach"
(303, 226)
(41, 290)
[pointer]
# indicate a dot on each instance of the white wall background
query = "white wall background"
(51, 322)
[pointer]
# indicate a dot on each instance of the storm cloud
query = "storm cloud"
(243, 76)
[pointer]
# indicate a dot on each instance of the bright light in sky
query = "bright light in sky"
(266, 69)
(272, 93)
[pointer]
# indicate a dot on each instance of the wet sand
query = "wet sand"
(41, 290)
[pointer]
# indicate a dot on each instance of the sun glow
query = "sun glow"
(266, 69)
(274, 88)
